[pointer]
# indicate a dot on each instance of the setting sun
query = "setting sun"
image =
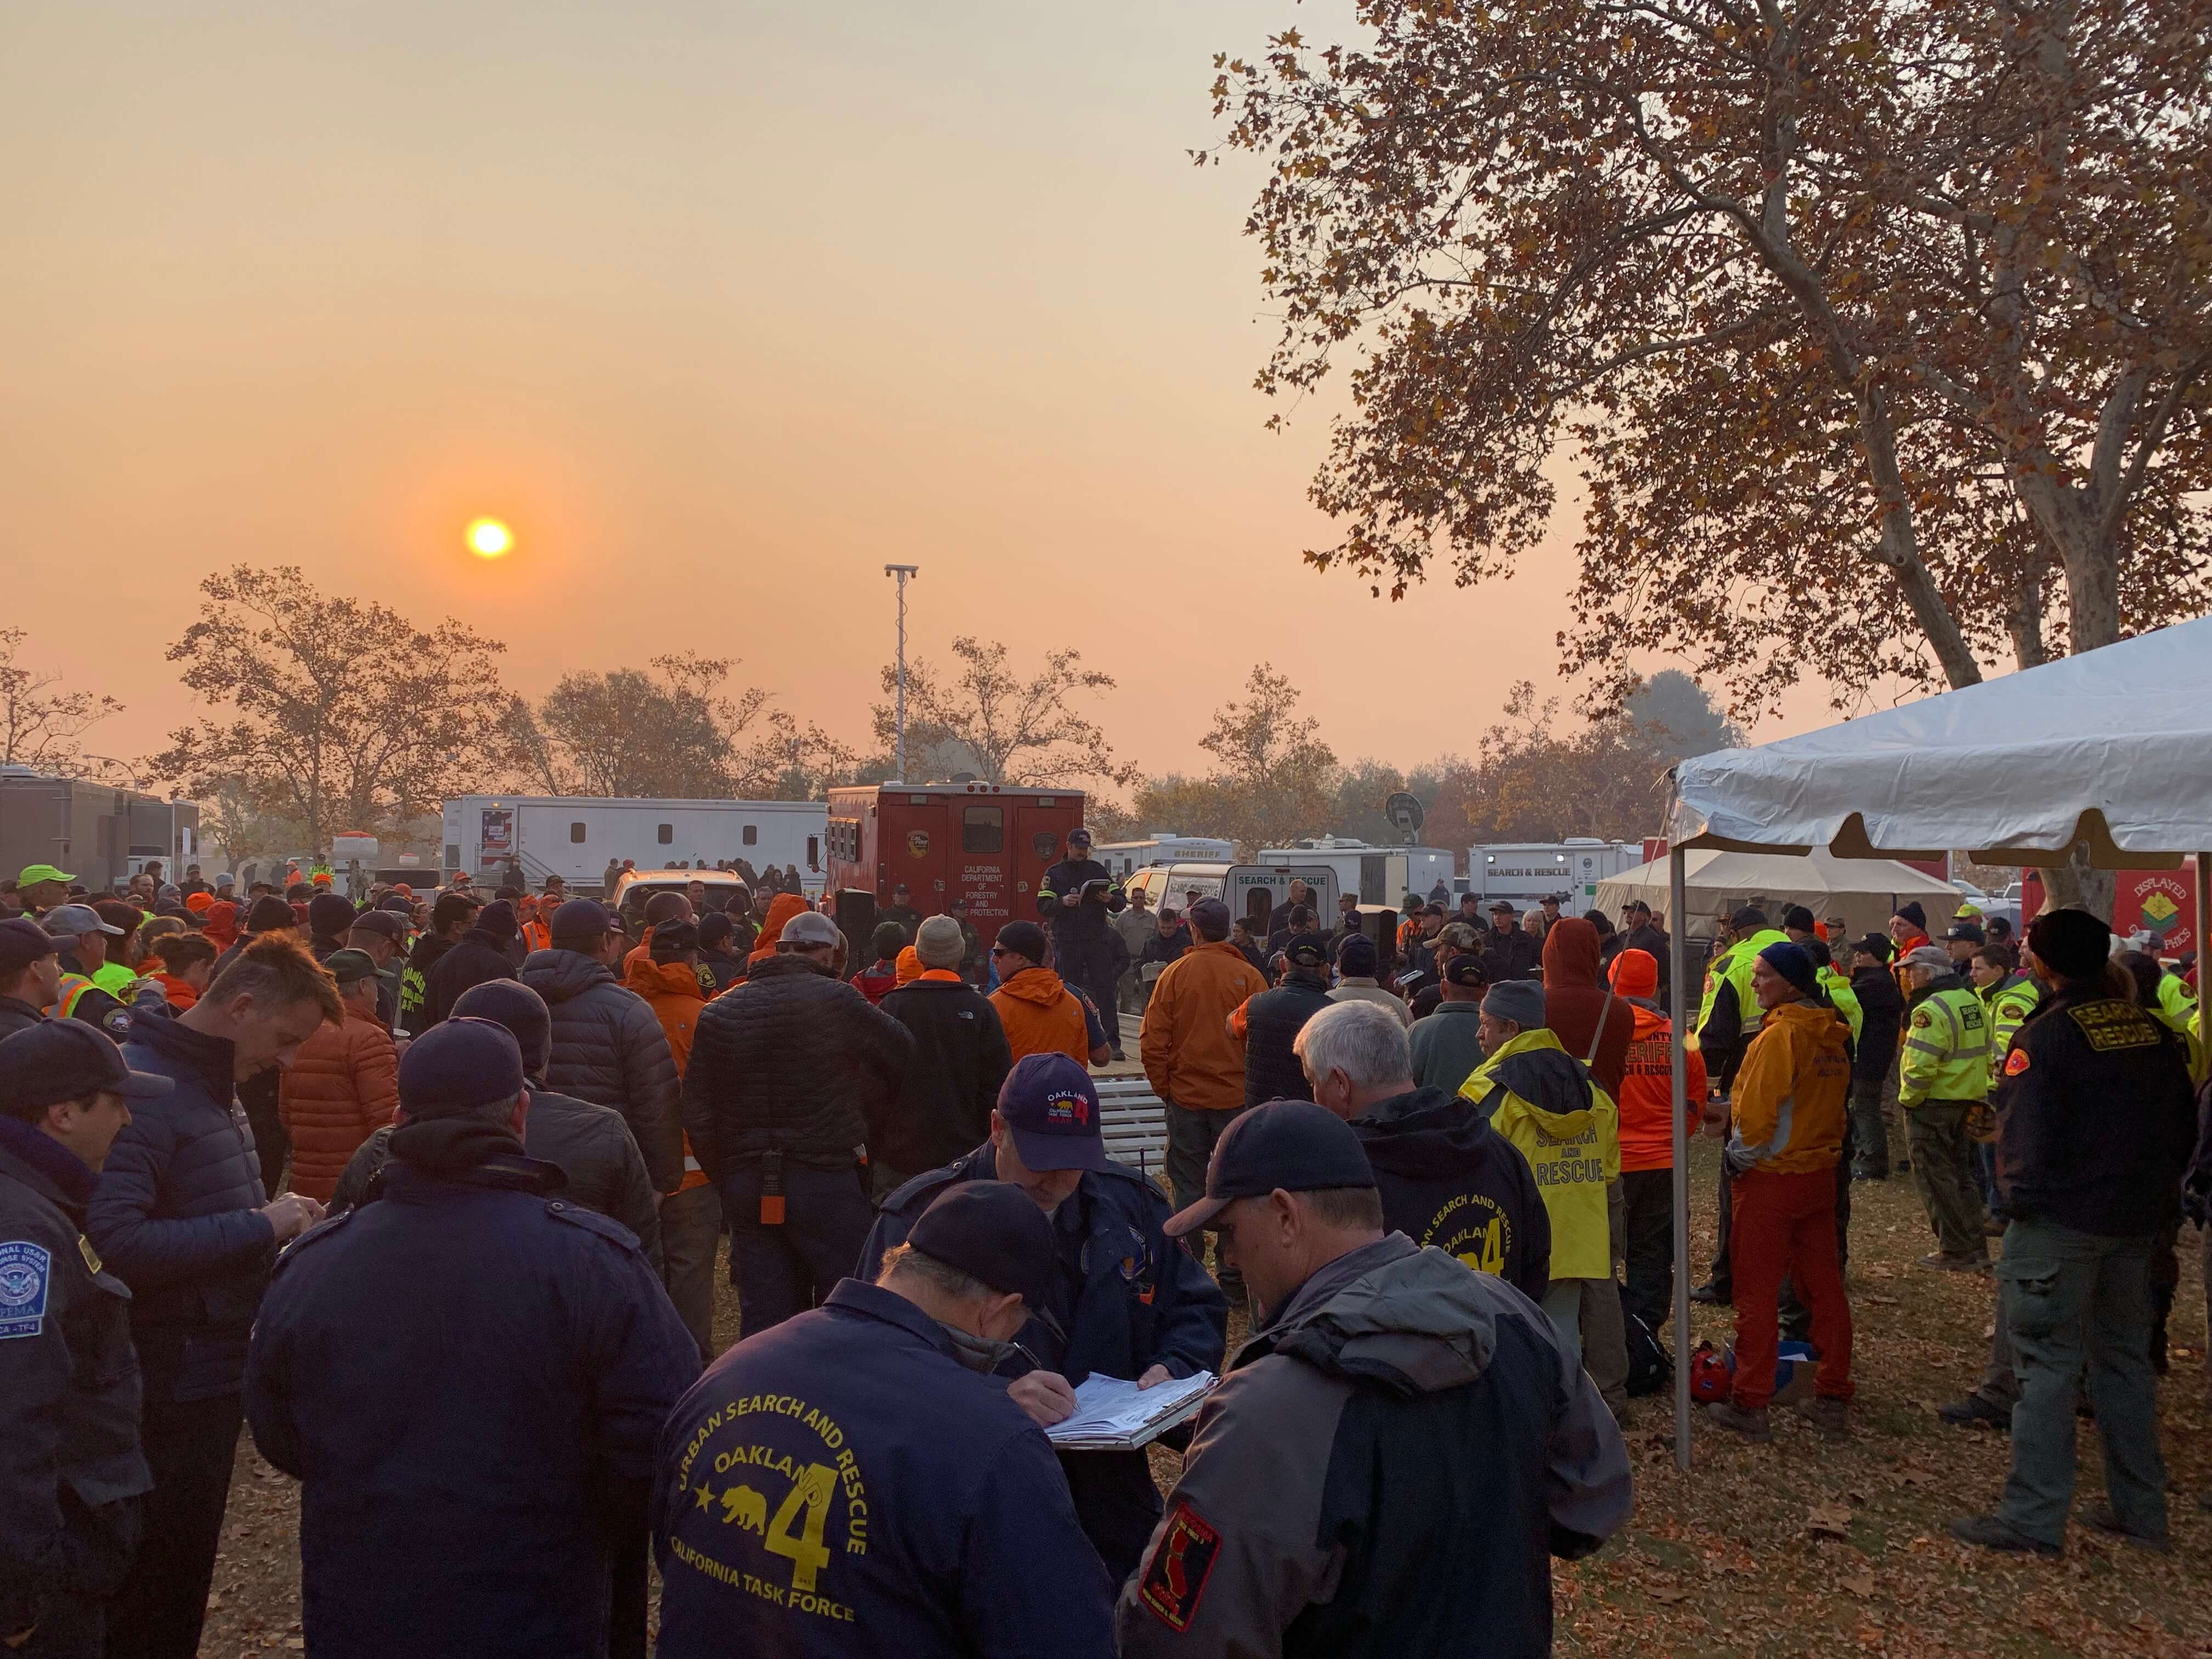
(488, 538)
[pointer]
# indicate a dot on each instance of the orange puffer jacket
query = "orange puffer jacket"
(672, 990)
(342, 1088)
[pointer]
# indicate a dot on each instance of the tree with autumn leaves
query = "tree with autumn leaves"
(1873, 329)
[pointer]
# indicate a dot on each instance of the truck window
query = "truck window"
(982, 828)
(576, 833)
(667, 834)
(751, 838)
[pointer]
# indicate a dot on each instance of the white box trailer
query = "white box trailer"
(1121, 858)
(1378, 875)
(1251, 890)
(1524, 870)
(573, 836)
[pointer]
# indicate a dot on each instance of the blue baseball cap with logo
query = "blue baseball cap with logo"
(1051, 1104)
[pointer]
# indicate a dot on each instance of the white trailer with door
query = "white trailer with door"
(1525, 870)
(1251, 890)
(1121, 858)
(1378, 875)
(573, 836)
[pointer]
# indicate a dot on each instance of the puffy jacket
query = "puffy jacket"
(1448, 1179)
(947, 1090)
(793, 1061)
(1647, 1086)
(1580, 1009)
(341, 1088)
(1544, 1100)
(176, 1215)
(1126, 1297)
(1789, 1104)
(1385, 1471)
(1041, 1016)
(608, 1049)
(477, 957)
(1272, 1022)
(672, 991)
(1189, 1054)
(468, 1376)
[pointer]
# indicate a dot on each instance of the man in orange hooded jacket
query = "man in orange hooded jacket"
(667, 977)
(1041, 1016)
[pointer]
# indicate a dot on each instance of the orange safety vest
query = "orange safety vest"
(73, 988)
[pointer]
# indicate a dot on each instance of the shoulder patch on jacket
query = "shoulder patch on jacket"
(2017, 1062)
(326, 1228)
(26, 1270)
(1175, 1578)
(2114, 1024)
(562, 1209)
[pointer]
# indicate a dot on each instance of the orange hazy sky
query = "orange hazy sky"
(722, 307)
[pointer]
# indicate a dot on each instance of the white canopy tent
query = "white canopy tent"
(1865, 892)
(2111, 750)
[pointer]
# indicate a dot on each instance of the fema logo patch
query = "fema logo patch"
(25, 1270)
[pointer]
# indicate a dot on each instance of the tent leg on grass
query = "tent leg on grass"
(1678, 968)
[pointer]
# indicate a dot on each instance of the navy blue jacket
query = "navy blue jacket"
(469, 1374)
(1126, 1297)
(841, 1484)
(176, 1216)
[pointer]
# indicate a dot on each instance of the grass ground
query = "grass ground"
(1796, 1547)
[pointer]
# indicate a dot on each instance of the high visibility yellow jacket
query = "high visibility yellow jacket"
(1846, 1001)
(1545, 1102)
(2010, 1001)
(2177, 1012)
(1947, 1046)
(1727, 987)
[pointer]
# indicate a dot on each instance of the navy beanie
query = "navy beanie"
(1789, 959)
(459, 1066)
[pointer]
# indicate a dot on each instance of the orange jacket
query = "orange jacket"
(781, 908)
(1190, 1057)
(1787, 1102)
(672, 990)
(1041, 1016)
(181, 995)
(342, 1087)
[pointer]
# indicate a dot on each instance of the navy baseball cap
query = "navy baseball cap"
(1051, 1104)
(458, 1065)
(1079, 836)
(1305, 951)
(993, 1231)
(68, 1060)
(1291, 1143)
(582, 917)
(23, 941)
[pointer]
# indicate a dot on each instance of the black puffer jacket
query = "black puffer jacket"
(591, 1144)
(608, 1049)
(477, 958)
(1272, 1021)
(792, 1061)
(176, 1216)
(961, 1057)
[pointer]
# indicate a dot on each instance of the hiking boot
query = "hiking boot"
(1117, 1052)
(1711, 1296)
(1992, 1532)
(2105, 1519)
(1953, 1264)
(1832, 1417)
(1751, 1425)
(1974, 1411)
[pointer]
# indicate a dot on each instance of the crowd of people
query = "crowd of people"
(506, 1135)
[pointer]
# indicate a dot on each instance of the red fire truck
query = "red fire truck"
(987, 843)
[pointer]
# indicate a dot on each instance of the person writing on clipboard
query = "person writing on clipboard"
(1124, 1301)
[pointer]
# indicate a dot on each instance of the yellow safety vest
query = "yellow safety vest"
(1947, 1049)
(1846, 1001)
(2010, 1003)
(1735, 968)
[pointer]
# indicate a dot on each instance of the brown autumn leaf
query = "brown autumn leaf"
(1669, 1595)
(1829, 1521)
(1862, 1585)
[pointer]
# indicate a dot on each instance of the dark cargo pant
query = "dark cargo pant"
(1943, 1169)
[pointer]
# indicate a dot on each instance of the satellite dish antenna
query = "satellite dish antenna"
(1406, 815)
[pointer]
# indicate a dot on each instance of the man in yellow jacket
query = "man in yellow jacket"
(1787, 1116)
(1543, 1100)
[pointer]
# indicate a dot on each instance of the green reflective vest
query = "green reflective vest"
(1846, 1001)
(2010, 1002)
(1733, 967)
(1947, 1049)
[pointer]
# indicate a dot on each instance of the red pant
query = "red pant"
(1786, 1224)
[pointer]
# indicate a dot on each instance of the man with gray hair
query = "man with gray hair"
(1447, 1177)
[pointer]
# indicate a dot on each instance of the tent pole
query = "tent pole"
(1678, 969)
(2203, 926)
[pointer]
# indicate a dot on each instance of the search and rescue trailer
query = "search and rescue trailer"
(988, 844)
(1379, 875)
(573, 836)
(1251, 890)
